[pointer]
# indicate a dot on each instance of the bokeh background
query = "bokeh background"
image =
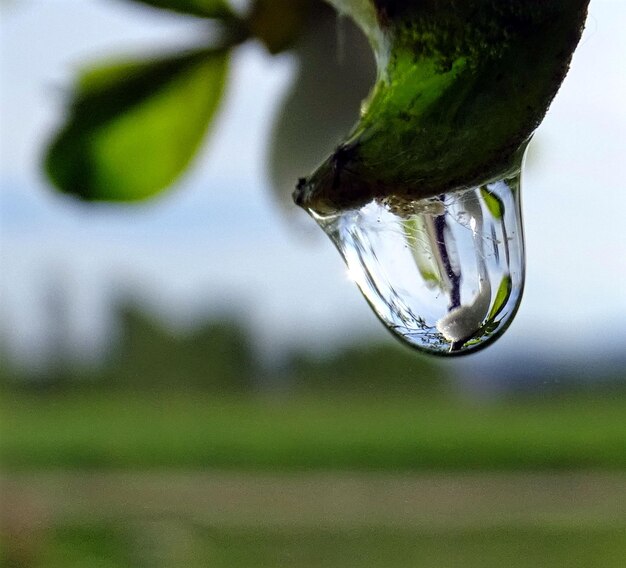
(194, 380)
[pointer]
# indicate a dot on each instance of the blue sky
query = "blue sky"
(219, 243)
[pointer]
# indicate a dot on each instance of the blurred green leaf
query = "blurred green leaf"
(135, 126)
(278, 23)
(335, 71)
(202, 8)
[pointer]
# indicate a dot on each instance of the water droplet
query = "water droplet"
(445, 274)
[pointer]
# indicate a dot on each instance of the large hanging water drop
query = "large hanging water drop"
(422, 199)
(445, 273)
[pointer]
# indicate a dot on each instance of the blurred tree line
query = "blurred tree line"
(219, 356)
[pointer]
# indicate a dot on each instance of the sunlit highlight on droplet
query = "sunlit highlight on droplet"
(352, 275)
(445, 274)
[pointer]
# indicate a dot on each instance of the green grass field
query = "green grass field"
(112, 546)
(131, 479)
(314, 520)
(196, 431)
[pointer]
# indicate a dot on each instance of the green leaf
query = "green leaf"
(493, 203)
(202, 8)
(416, 230)
(134, 127)
(502, 297)
(461, 87)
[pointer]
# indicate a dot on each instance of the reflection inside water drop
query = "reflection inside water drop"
(445, 274)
